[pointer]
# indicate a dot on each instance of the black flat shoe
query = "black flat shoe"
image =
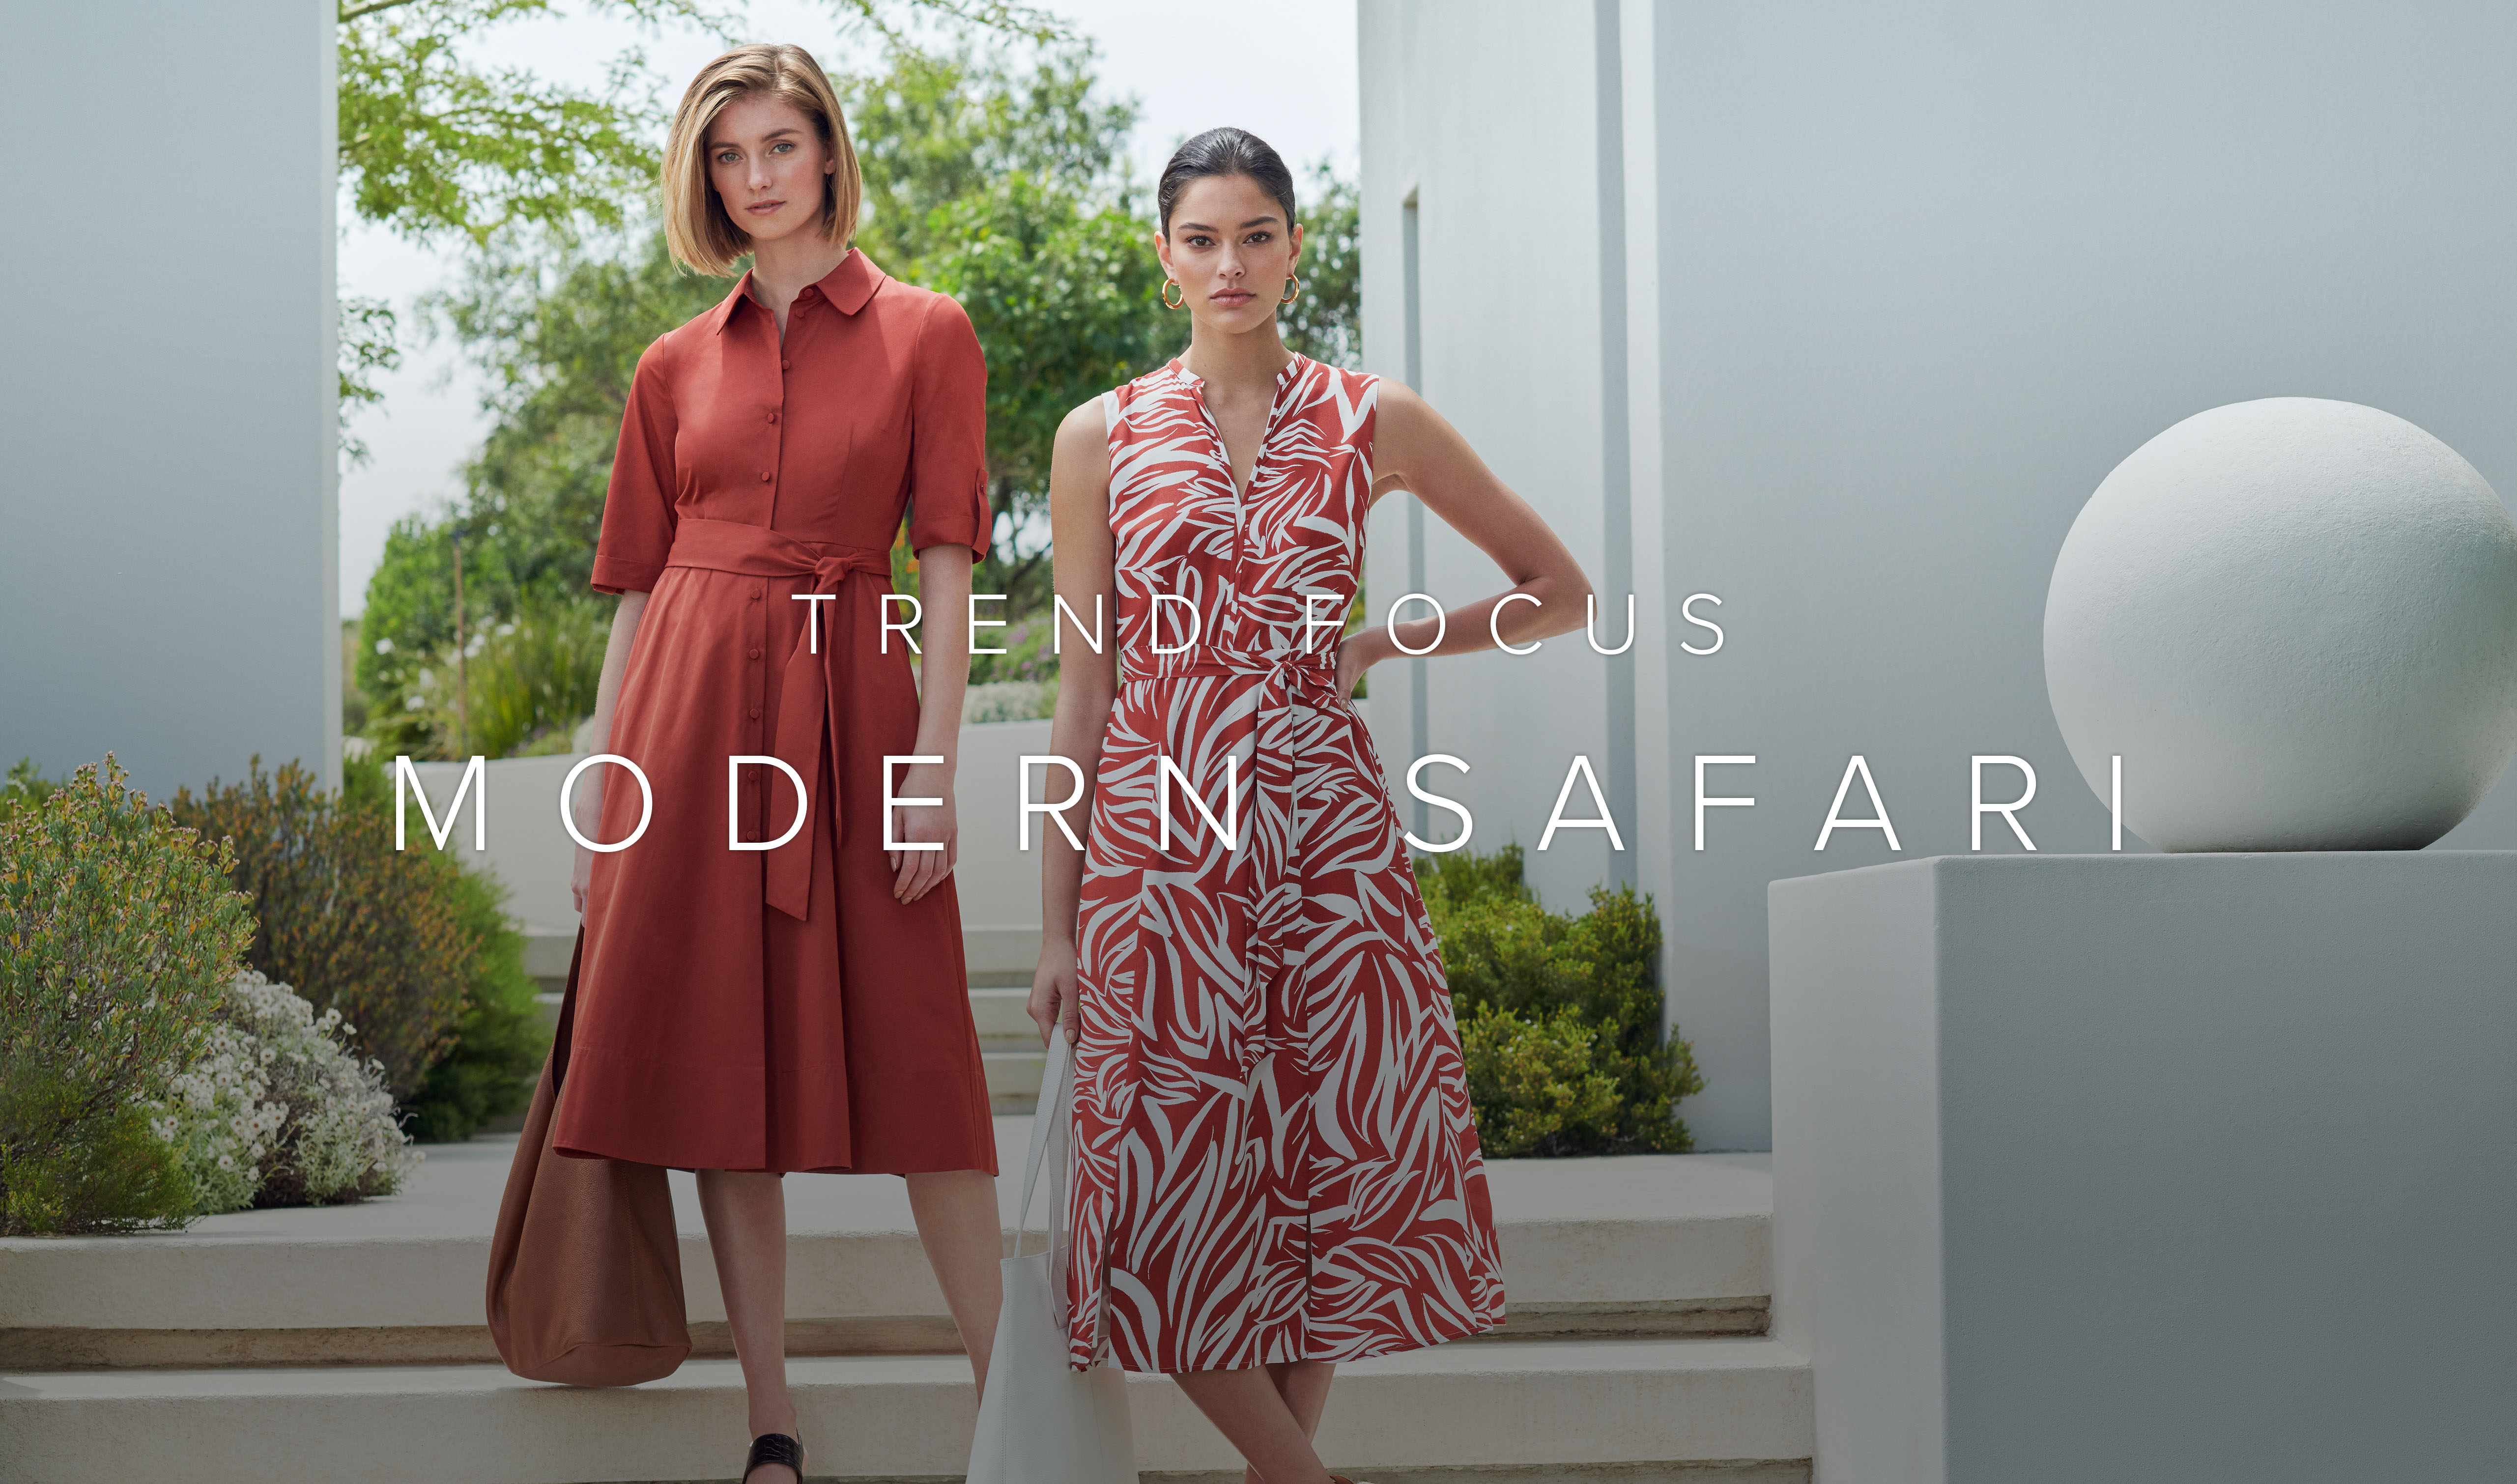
(775, 1448)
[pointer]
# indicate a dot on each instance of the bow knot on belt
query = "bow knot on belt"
(1315, 673)
(805, 716)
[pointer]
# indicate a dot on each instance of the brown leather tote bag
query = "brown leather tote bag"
(586, 1269)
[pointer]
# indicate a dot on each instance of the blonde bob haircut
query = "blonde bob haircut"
(695, 225)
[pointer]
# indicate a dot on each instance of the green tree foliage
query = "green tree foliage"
(1323, 322)
(434, 144)
(119, 933)
(1561, 985)
(1005, 186)
(560, 338)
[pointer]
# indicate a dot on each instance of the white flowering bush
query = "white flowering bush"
(278, 1112)
(218, 1122)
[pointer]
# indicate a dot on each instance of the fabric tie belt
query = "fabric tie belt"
(1266, 871)
(805, 716)
(1281, 678)
(1312, 672)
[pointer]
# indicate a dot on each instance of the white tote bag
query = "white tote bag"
(1042, 1422)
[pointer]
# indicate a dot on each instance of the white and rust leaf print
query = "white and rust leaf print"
(1274, 1156)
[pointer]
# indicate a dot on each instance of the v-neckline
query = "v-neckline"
(1266, 429)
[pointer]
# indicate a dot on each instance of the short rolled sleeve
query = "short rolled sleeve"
(948, 451)
(638, 517)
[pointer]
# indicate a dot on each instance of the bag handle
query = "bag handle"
(1049, 1131)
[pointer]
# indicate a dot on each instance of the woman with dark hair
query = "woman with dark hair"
(782, 990)
(1275, 1165)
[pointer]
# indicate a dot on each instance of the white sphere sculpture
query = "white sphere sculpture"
(2296, 622)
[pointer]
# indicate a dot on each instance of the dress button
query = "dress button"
(773, 417)
(764, 476)
(756, 653)
(755, 595)
(755, 713)
(785, 365)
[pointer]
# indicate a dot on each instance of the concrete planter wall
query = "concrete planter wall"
(2190, 1167)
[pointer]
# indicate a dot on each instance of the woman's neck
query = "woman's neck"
(782, 268)
(1252, 357)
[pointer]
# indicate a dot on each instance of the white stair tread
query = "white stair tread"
(1011, 1072)
(1649, 1229)
(1496, 1403)
(1002, 1012)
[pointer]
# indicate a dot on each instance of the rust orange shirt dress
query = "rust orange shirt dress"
(778, 1011)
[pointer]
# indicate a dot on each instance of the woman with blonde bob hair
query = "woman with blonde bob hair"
(779, 987)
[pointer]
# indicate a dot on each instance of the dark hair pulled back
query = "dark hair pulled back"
(1225, 151)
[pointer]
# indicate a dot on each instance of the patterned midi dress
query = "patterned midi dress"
(1274, 1157)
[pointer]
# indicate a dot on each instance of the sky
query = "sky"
(1286, 71)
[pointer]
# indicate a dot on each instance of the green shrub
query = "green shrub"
(119, 930)
(499, 1043)
(1505, 954)
(1459, 877)
(358, 927)
(26, 784)
(1535, 1084)
(108, 1173)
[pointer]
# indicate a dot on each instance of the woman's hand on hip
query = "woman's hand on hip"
(1052, 990)
(915, 872)
(1359, 651)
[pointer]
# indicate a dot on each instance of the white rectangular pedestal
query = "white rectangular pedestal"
(2151, 1167)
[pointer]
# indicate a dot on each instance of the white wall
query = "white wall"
(1902, 284)
(1510, 352)
(167, 526)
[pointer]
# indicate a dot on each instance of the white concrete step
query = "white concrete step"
(1595, 1407)
(999, 1011)
(1009, 1044)
(1658, 1244)
(1013, 1081)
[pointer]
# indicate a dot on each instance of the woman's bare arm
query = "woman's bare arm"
(943, 675)
(589, 803)
(1414, 448)
(1079, 511)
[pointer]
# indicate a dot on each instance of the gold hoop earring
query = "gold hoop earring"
(1168, 302)
(1296, 281)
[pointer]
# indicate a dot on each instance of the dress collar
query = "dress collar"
(847, 287)
(1178, 367)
